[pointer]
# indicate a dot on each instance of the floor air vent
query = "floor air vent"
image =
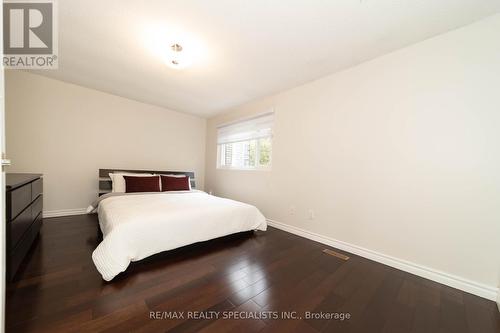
(336, 254)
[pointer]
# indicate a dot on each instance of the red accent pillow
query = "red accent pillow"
(142, 184)
(169, 183)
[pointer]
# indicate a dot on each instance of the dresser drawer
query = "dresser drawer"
(17, 253)
(35, 227)
(20, 198)
(36, 207)
(36, 188)
(17, 227)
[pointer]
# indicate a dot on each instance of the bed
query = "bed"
(138, 225)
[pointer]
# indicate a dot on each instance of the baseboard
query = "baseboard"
(454, 281)
(64, 212)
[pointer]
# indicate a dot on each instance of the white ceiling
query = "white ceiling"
(246, 48)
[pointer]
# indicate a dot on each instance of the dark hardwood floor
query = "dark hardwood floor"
(59, 290)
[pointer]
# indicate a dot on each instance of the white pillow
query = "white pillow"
(118, 182)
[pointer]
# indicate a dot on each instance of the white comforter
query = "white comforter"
(137, 226)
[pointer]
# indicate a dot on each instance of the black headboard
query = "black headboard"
(105, 181)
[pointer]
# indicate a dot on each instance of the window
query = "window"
(246, 144)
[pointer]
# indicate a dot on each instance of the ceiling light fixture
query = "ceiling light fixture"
(173, 46)
(175, 57)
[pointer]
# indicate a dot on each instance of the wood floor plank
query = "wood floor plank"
(237, 324)
(481, 318)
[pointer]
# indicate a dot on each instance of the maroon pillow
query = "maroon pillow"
(142, 184)
(169, 183)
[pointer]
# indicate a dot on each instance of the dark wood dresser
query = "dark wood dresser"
(24, 203)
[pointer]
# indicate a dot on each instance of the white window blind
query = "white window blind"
(250, 129)
(246, 144)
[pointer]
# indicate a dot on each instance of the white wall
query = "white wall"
(68, 132)
(399, 155)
